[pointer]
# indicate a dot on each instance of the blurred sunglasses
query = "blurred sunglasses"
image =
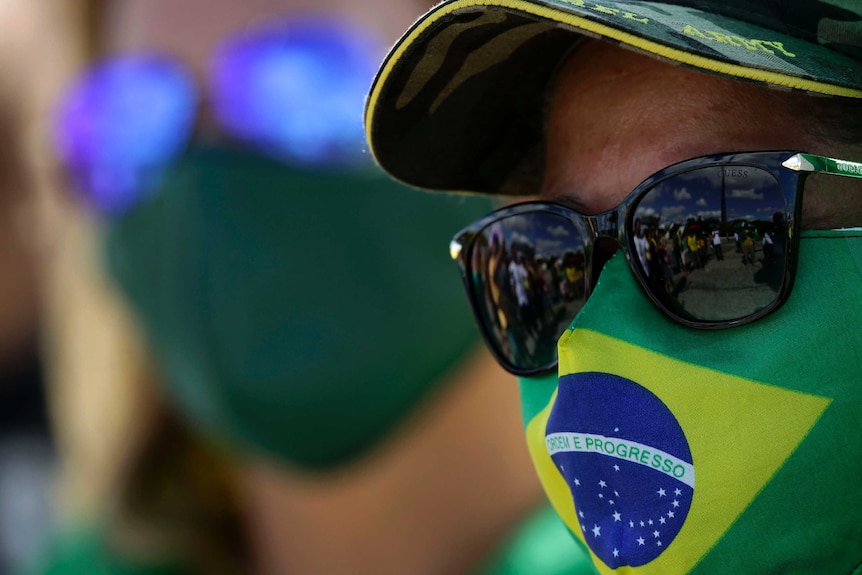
(528, 269)
(294, 89)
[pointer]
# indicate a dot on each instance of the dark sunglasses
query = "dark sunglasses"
(292, 88)
(712, 241)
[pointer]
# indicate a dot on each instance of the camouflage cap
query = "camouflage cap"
(457, 104)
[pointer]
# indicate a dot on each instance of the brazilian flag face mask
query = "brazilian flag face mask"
(671, 450)
(299, 313)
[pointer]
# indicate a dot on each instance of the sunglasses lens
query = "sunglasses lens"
(295, 88)
(711, 242)
(120, 123)
(527, 277)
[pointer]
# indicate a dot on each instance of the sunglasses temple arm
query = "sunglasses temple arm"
(802, 162)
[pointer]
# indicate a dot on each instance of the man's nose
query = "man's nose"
(603, 250)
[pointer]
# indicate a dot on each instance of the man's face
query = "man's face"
(617, 117)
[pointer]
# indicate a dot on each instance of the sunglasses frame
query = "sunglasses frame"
(789, 168)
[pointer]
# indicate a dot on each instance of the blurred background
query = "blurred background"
(243, 349)
(32, 72)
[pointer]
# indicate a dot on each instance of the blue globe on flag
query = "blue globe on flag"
(627, 463)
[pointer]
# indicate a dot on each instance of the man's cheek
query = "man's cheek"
(831, 203)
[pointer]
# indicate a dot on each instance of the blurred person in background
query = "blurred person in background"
(27, 461)
(307, 395)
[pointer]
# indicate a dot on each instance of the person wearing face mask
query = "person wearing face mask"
(702, 426)
(300, 402)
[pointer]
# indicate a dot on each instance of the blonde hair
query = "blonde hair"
(129, 466)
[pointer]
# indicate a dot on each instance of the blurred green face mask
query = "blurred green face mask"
(297, 313)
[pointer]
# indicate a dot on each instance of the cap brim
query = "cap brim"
(457, 104)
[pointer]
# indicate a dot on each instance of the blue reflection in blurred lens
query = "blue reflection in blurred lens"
(120, 123)
(297, 88)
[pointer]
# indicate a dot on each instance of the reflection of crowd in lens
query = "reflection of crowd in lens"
(671, 255)
(527, 295)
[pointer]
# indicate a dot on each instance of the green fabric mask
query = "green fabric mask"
(671, 450)
(297, 313)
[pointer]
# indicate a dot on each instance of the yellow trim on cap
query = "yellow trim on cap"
(557, 15)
